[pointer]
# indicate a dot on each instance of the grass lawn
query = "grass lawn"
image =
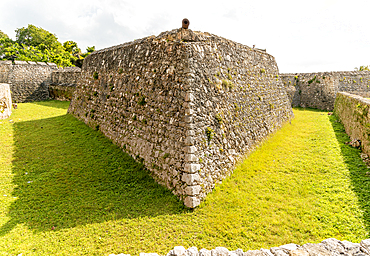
(67, 190)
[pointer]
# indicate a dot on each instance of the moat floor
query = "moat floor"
(67, 190)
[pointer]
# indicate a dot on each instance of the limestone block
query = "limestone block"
(5, 101)
(189, 141)
(190, 149)
(333, 244)
(179, 251)
(220, 251)
(316, 249)
(351, 248)
(365, 244)
(191, 201)
(192, 251)
(204, 252)
(191, 158)
(238, 252)
(298, 253)
(190, 133)
(188, 119)
(278, 251)
(267, 252)
(255, 253)
(289, 247)
(192, 168)
(193, 190)
(189, 96)
(190, 179)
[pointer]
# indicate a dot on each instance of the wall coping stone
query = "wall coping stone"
(20, 62)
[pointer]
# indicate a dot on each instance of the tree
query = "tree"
(3, 35)
(37, 44)
(71, 47)
(363, 68)
(34, 36)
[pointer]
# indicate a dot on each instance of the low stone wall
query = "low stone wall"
(66, 76)
(5, 101)
(63, 83)
(5, 68)
(353, 112)
(28, 80)
(318, 90)
(187, 104)
(328, 247)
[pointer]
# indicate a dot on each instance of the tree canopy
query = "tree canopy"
(3, 35)
(363, 68)
(37, 44)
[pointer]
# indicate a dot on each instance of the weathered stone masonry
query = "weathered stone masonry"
(63, 83)
(354, 113)
(318, 90)
(188, 104)
(31, 81)
(5, 101)
(328, 247)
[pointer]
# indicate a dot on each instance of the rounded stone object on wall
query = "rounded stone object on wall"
(185, 23)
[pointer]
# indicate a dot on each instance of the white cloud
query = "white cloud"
(304, 36)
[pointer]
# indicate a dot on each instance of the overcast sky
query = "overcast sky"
(303, 36)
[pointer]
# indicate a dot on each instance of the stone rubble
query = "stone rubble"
(328, 247)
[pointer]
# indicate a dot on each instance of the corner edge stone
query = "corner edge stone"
(191, 201)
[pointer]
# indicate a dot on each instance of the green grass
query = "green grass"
(302, 185)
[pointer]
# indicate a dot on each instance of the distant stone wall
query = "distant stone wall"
(186, 104)
(5, 67)
(353, 112)
(28, 80)
(5, 101)
(31, 81)
(63, 83)
(318, 90)
(66, 76)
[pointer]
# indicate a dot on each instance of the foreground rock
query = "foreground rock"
(328, 247)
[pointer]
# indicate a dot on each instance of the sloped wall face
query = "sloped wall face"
(66, 76)
(63, 83)
(318, 90)
(135, 95)
(187, 105)
(237, 99)
(5, 101)
(28, 81)
(353, 112)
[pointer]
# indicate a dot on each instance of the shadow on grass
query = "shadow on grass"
(67, 174)
(359, 180)
(51, 103)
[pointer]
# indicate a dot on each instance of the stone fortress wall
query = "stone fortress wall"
(63, 83)
(353, 112)
(318, 90)
(31, 81)
(187, 104)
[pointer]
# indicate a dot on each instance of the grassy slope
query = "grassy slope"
(302, 185)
